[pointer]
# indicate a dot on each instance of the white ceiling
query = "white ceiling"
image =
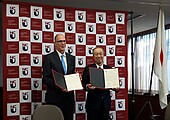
(148, 9)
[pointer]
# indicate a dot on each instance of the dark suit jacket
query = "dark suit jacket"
(94, 97)
(54, 94)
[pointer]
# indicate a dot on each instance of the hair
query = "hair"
(98, 48)
(57, 36)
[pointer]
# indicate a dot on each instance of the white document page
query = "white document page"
(73, 82)
(111, 77)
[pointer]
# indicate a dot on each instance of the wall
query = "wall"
(1, 94)
(1, 45)
(1, 104)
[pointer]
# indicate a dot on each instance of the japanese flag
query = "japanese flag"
(160, 65)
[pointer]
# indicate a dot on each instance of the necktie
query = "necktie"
(100, 67)
(63, 63)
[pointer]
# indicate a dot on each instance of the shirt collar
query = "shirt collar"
(99, 66)
(60, 53)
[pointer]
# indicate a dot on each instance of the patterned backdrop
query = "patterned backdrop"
(28, 35)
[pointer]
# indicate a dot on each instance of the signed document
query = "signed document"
(69, 82)
(104, 78)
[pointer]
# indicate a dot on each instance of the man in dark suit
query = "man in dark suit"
(55, 95)
(98, 101)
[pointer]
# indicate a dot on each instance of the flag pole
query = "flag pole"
(160, 7)
(150, 85)
(132, 60)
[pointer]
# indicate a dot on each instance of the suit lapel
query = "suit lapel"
(57, 59)
(94, 65)
(104, 66)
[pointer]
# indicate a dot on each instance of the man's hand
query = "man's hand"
(64, 90)
(80, 76)
(90, 87)
(115, 89)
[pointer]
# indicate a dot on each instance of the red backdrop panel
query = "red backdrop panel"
(28, 35)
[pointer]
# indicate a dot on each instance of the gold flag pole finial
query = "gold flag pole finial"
(161, 3)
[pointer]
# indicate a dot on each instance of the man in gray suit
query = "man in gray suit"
(55, 95)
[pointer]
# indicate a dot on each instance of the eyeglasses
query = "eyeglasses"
(61, 41)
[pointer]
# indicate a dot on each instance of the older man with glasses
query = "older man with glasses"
(63, 63)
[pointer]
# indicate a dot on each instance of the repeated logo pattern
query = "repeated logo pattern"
(29, 32)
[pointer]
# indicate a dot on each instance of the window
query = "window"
(143, 60)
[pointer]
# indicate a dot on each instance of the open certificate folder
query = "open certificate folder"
(69, 82)
(104, 78)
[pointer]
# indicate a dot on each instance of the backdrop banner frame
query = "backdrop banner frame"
(28, 35)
